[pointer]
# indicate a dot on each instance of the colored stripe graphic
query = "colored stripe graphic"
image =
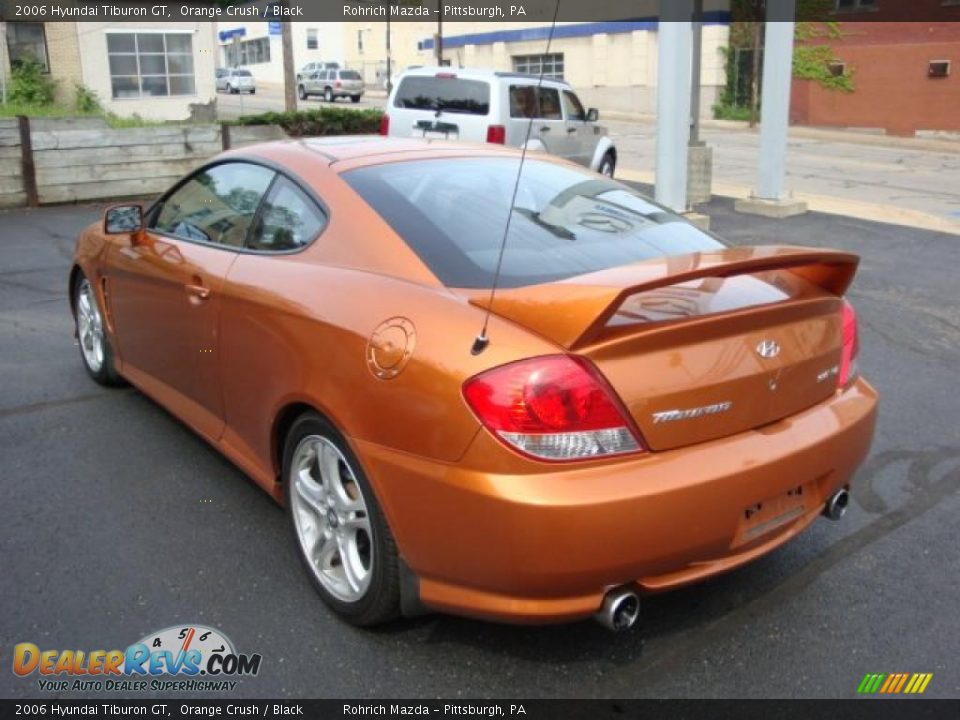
(894, 683)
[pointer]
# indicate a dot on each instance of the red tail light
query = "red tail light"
(497, 134)
(338, 84)
(384, 124)
(849, 367)
(554, 408)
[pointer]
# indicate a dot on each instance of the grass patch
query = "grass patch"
(731, 112)
(55, 111)
(59, 111)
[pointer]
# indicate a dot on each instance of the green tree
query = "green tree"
(812, 59)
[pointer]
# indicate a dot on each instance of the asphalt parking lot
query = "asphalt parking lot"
(118, 521)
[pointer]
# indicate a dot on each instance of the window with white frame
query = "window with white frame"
(248, 52)
(151, 64)
(551, 66)
(312, 41)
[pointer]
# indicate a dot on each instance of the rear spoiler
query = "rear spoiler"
(574, 312)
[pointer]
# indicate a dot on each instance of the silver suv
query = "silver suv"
(235, 80)
(312, 67)
(331, 84)
(498, 107)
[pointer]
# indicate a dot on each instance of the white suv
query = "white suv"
(491, 106)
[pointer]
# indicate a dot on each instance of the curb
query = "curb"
(857, 137)
(829, 205)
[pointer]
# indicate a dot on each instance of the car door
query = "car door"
(580, 133)
(315, 82)
(549, 125)
(164, 288)
(258, 358)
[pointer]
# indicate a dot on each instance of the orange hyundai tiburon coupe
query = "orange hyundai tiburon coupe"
(645, 408)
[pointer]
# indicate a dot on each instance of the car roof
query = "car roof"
(477, 74)
(348, 152)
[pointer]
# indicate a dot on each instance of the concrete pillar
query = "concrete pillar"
(673, 102)
(771, 198)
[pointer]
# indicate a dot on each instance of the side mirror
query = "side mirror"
(593, 115)
(123, 219)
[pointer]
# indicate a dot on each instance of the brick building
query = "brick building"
(906, 77)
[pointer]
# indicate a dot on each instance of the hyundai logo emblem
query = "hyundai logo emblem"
(768, 349)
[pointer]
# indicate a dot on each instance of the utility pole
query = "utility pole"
(695, 72)
(439, 42)
(389, 67)
(699, 156)
(289, 72)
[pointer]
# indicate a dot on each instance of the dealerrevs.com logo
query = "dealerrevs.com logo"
(188, 658)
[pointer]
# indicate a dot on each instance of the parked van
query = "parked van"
(497, 107)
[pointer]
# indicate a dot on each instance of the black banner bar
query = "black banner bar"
(519, 11)
(177, 709)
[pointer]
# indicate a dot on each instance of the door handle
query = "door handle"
(571, 130)
(197, 291)
(545, 128)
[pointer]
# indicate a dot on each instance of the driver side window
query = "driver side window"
(572, 108)
(216, 205)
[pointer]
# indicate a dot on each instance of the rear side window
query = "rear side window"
(566, 221)
(549, 104)
(524, 102)
(449, 94)
(288, 219)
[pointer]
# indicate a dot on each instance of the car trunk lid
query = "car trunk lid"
(704, 345)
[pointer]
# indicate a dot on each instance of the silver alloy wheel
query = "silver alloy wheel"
(89, 326)
(331, 518)
(328, 95)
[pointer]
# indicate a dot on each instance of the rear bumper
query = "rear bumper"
(522, 541)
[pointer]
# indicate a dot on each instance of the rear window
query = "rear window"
(449, 94)
(242, 73)
(566, 222)
(349, 75)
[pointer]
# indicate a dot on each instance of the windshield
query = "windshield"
(449, 94)
(567, 222)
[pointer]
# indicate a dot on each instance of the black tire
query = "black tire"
(232, 90)
(329, 96)
(253, 91)
(355, 98)
(608, 164)
(380, 602)
(106, 374)
(301, 92)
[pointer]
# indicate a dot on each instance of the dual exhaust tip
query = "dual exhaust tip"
(837, 503)
(621, 606)
(620, 610)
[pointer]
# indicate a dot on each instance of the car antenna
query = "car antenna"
(481, 341)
